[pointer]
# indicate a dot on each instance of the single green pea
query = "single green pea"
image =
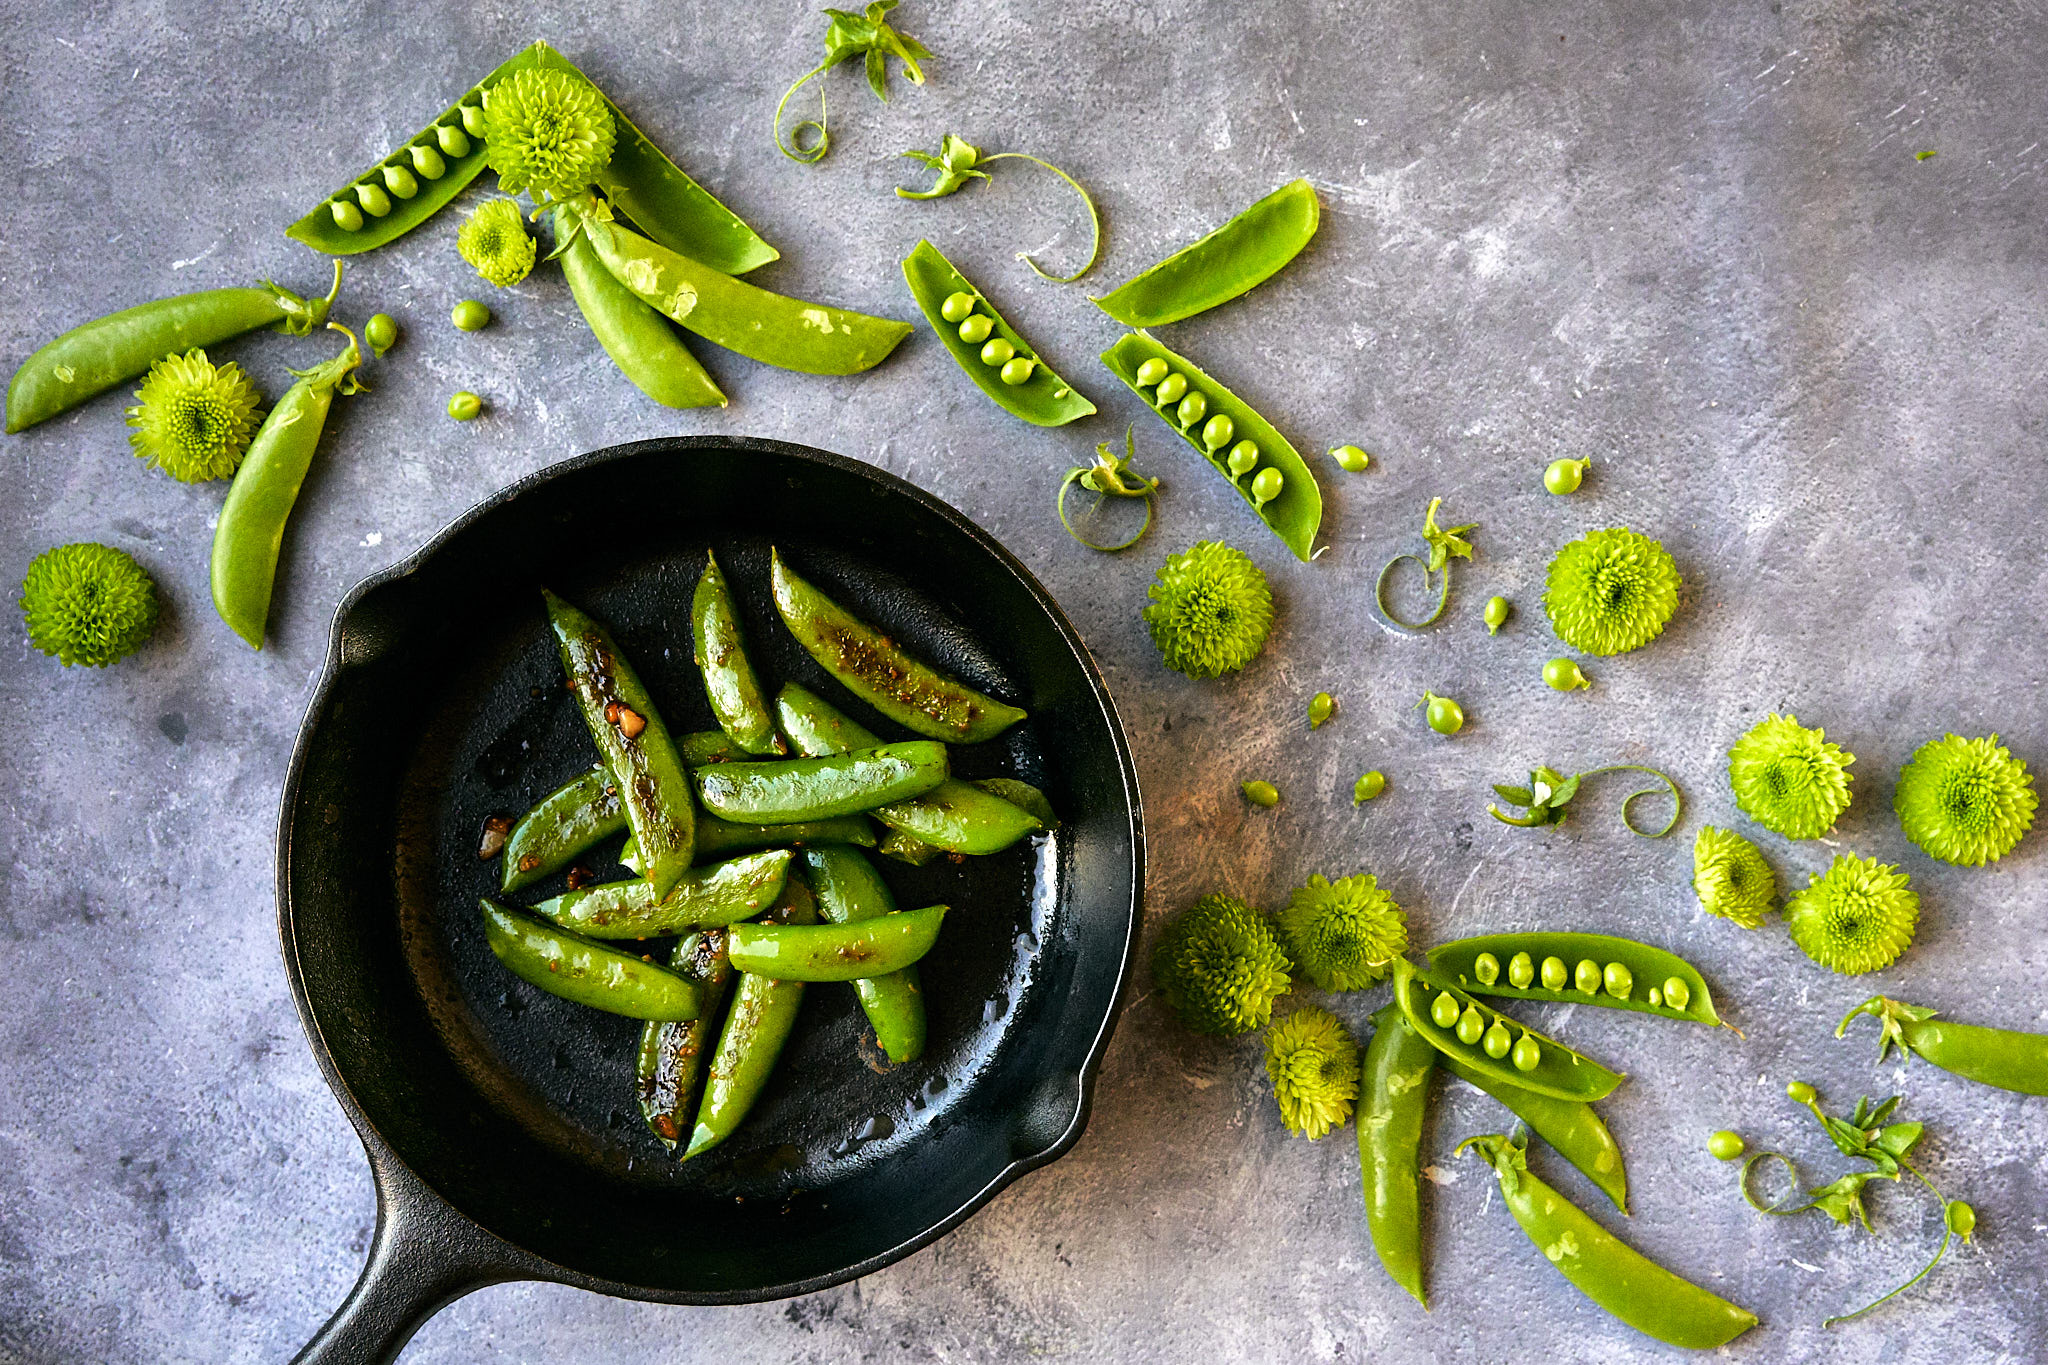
(997, 351)
(1470, 1025)
(1487, 969)
(1444, 1010)
(1725, 1145)
(473, 119)
(1262, 793)
(1676, 994)
(1015, 371)
(1192, 409)
(347, 216)
(1619, 980)
(1555, 974)
(1497, 1041)
(1656, 997)
(464, 406)
(1171, 389)
(1563, 476)
(1152, 371)
(1528, 1053)
(454, 142)
(977, 329)
(471, 316)
(1320, 707)
(381, 331)
(1446, 717)
(1521, 971)
(1496, 614)
(1267, 485)
(1217, 431)
(375, 202)
(1563, 675)
(427, 161)
(1586, 976)
(401, 182)
(957, 307)
(1961, 1218)
(1368, 786)
(1244, 458)
(1801, 1092)
(1350, 458)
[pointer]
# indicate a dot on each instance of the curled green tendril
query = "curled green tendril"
(1777, 1207)
(794, 147)
(1443, 597)
(957, 161)
(1109, 477)
(1444, 546)
(1669, 788)
(867, 35)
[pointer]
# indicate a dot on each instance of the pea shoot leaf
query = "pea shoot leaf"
(1444, 545)
(869, 34)
(955, 161)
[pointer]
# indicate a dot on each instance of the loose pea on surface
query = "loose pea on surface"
(1017, 370)
(1192, 409)
(1528, 1053)
(1350, 459)
(1320, 707)
(1564, 675)
(464, 406)
(1725, 1145)
(1563, 476)
(1266, 486)
(1619, 980)
(1471, 1024)
(347, 216)
(381, 331)
(957, 307)
(1555, 974)
(1262, 793)
(1446, 717)
(1217, 431)
(1586, 976)
(1368, 786)
(471, 316)
(1444, 1010)
(1487, 968)
(1496, 1041)
(1243, 459)
(1496, 614)
(1152, 371)
(977, 329)
(1172, 389)
(1521, 971)
(1676, 993)
(997, 351)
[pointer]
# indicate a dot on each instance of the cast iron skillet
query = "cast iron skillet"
(499, 1121)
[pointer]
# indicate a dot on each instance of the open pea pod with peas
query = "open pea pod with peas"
(1584, 969)
(1494, 1044)
(994, 355)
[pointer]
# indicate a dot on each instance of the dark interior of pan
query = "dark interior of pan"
(444, 706)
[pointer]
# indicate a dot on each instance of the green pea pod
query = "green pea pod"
(717, 839)
(2006, 1058)
(771, 328)
(836, 952)
(1628, 975)
(1573, 1130)
(250, 532)
(762, 1015)
(849, 891)
(729, 679)
(98, 355)
(1243, 253)
(640, 341)
(673, 1053)
(818, 788)
(702, 747)
(1394, 1100)
(633, 742)
(1041, 398)
(1295, 512)
(576, 816)
(907, 848)
(704, 897)
(1601, 1266)
(589, 973)
(874, 668)
(1554, 1069)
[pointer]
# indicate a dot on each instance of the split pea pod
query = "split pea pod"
(763, 1012)
(250, 532)
(1571, 1127)
(2006, 1058)
(640, 341)
(1586, 969)
(95, 356)
(1601, 1266)
(703, 897)
(1233, 259)
(850, 891)
(585, 971)
(582, 812)
(729, 681)
(994, 355)
(817, 788)
(836, 952)
(878, 671)
(673, 1053)
(1395, 1099)
(1494, 1044)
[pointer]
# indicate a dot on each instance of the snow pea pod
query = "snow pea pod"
(836, 952)
(1230, 434)
(701, 747)
(818, 788)
(849, 891)
(874, 668)
(703, 898)
(640, 341)
(1011, 373)
(1395, 1091)
(1506, 1049)
(589, 973)
(1601, 1266)
(717, 838)
(729, 679)
(1244, 252)
(673, 1053)
(1623, 974)
(95, 356)
(653, 784)
(762, 1015)
(2006, 1058)
(1573, 1130)
(250, 532)
(581, 813)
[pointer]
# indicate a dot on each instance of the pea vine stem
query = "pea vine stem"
(1094, 219)
(1940, 1251)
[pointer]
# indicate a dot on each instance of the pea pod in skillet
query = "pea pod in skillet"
(1000, 362)
(763, 1012)
(587, 972)
(2006, 1058)
(704, 897)
(850, 891)
(1394, 1098)
(836, 952)
(1494, 1044)
(1585, 969)
(1571, 1127)
(1243, 253)
(721, 654)
(717, 839)
(576, 816)
(673, 1053)
(640, 341)
(787, 790)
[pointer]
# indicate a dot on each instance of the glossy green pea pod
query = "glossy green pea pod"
(673, 1053)
(1296, 513)
(703, 898)
(640, 341)
(1560, 1072)
(794, 789)
(718, 839)
(587, 972)
(1605, 1269)
(836, 952)
(1573, 1130)
(576, 816)
(653, 783)
(763, 1013)
(1244, 252)
(2006, 1058)
(1394, 1099)
(1044, 400)
(874, 668)
(1647, 967)
(729, 681)
(703, 747)
(849, 891)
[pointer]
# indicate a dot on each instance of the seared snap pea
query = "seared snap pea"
(673, 1054)
(1230, 261)
(705, 897)
(1553, 1069)
(1394, 1097)
(640, 341)
(763, 1012)
(849, 891)
(1037, 395)
(1571, 1127)
(580, 813)
(836, 952)
(2006, 1058)
(1603, 970)
(729, 680)
(717, 839)
(587, 972)
(817, 788)
(874, 668)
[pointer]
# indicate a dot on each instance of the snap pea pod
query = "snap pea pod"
(953, 817)
(635, 745)
(95, 356)
(849, 891)
(817, 788)
(704, 897)
(579, 814)
(640, 341)
(1492, 1043)
(702, 747)
(1395, 1099)
(729, 680)
(718, 838)
(981, 341)
(1601, 1266)
(1267, 472)
(763, 1012)
(250, 532)
(1573, 1130)
(2006, 1058)
(1585, 969)
(587, 972)
(1244, 252)
(836, 952)
(673, 1053)
(874, 668)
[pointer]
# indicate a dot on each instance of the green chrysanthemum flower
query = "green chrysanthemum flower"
(1611, 591)
(1857, 917)
(494, 240)
(547, 131)
(1965, 801)
(191, 420)
(1315, 1071)
(87, 604)
(1344, 934)
(1220, 967)
(1789, 778)
(1211, 610)
(1731, 877)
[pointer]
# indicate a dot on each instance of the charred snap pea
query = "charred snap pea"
(836, 952)
(1435, 1009)
(1228, 432)
(640, 341)
(729, 680)
(874, 668)
(763, 1012)
(2006, 1058)
(704, 897)
(1591, 969)
(718, 838)
(587, 972)
(635, 745)
(701, 747)
(1394, 1099)
(849, 891)
(818, 788)
(1244, 252)
(582, 812)
(1601, 1266)
(1571, 1127)
(673, 1053)
(967, 324)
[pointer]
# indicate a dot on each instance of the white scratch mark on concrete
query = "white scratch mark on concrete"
(180, 265)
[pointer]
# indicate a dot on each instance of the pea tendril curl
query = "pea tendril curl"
(1549, 791)
(957, 162)
(1444, 545)
(1111, 476)
(867, 35)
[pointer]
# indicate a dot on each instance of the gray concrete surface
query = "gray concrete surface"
(1692, 241)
